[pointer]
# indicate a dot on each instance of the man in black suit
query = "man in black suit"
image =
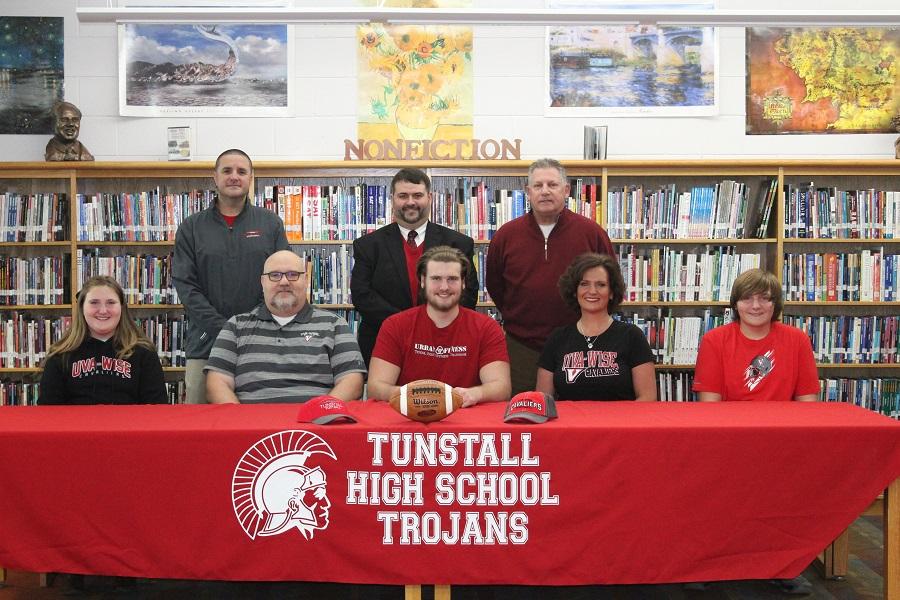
(384, 281)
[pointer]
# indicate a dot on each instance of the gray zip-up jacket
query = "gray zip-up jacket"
(217, 269)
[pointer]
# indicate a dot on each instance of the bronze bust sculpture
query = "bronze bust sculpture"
(64, 144)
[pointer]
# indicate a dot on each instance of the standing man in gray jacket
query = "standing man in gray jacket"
(219, 254)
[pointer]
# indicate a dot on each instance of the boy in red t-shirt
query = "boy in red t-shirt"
(438, 339)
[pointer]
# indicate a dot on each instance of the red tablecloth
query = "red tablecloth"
(615, 492)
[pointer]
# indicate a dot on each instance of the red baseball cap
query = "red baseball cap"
(322, 410)
(533, 407)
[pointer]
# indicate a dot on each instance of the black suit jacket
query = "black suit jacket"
(379, 283)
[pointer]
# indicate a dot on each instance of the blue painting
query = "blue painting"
(639, 69)
(31, 73)
(204, 69)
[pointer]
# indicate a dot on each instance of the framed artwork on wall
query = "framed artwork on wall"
(630, 70)
(31, 73)
(415, 82)
(822, 80)
(205, 70)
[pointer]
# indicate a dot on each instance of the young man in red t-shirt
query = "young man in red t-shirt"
(439, 339)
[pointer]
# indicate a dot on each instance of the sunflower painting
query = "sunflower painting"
(415, 82)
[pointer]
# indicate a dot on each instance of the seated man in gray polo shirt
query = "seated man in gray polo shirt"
(284, 350)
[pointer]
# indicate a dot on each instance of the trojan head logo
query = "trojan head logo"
(274, 489)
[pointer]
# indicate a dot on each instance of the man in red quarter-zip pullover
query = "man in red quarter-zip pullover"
(526, 258)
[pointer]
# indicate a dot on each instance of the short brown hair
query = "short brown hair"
(756, 281)
(446, 254)
(414, 176)
(571, 279)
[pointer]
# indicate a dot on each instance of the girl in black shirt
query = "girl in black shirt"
(103, 358)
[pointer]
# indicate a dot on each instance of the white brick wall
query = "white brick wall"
(509, 89)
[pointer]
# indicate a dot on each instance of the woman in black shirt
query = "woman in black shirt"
(598, 357)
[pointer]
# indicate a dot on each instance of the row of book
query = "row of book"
(881, 395)
(150, 216)
(329, 212)
(676, 340)
(167, 334)
(722, 211)
(675, 386)
(660, 274)
(34, 217)
(345, 212)
(329, 269)
(673, 274)
(328, 274)
(311, 212)
(865, 276)
(827, 212)
(484, 205)
(843, 339)
(145, 278)
(476, 207)
(24, 393)
(24, 340)
(36, 280)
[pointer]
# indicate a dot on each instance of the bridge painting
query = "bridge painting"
(640, 69)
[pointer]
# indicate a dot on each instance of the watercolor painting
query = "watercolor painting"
(204, 69)
(641, 69)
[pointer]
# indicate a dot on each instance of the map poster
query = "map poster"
(822, 80)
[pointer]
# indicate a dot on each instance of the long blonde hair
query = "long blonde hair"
(126, 337)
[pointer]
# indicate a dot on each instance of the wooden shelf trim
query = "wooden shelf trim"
(695, 241)
(841, 303)
(11, 307)
(92, 244)
(858, 365)
(844, 241)
(35, 244)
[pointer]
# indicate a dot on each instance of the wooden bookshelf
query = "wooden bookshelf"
(98, 177)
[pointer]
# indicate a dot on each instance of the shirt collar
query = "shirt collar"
(263, 313)
(419, 230)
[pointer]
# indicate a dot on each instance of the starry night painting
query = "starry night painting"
(31, 73)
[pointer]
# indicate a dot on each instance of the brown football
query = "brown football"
(426, 400)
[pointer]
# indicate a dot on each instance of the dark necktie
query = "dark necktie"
(411, 239)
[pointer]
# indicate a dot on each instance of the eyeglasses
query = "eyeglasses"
(763, 300)
(277, 275)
